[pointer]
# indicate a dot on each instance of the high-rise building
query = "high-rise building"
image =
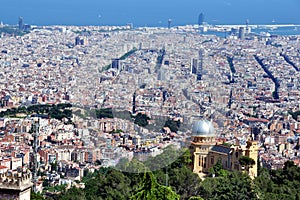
(200, 64)
(242, 33)
(130, 25)
(134, 103)
(161, 74)
(115, 64)
(77, 40)
(169, 23)
(21, 23)
(201, 19)
(194, 64)
(26, 27)
(248, 29)
(140, 45)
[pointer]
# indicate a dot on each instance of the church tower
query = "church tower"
(252, 152)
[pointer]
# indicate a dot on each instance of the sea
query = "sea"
(282, 31)
(154, 13)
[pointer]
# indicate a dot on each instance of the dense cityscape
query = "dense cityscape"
(79, 99)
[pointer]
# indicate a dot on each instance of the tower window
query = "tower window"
(200, 159)
(212, 160)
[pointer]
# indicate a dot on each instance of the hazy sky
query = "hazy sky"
(148, 12)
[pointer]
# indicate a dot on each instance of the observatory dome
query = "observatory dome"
(203, 128)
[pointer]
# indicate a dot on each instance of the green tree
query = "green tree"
(182, 157)
(173, 125)
(108, 184)
(263, 183)
(141, 119)
(178, 174)
(117, 186)
(294, 114)
(208, 187)
(53, 166)
(246, 162)
(279, 184)
(291, 172)
(234, 186)
(73, 193)
(36, 196)
(184, 182)
(211, 171)
(105, 183)
(218, 170)
(170, 155)
(104, 113)
(196, 198)
(151, 190)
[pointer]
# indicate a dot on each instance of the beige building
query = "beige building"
(14, 185)
(206, 152)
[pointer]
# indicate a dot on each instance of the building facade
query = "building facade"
(201, 19)
(206, 152)
(15, 185)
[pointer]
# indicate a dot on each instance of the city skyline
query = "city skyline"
(152, 13)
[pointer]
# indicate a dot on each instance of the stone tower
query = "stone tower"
(252, 152)
(15, 185)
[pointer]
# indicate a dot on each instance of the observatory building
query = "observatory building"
(206, 152)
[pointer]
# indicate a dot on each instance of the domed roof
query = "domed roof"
(203, 128)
